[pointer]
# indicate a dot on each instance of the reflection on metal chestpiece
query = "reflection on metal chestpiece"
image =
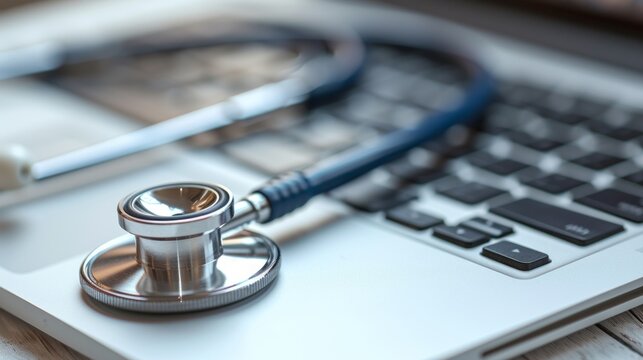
(177, 260)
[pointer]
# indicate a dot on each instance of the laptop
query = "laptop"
(489, 242)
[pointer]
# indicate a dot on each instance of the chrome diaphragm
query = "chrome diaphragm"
(175, 259)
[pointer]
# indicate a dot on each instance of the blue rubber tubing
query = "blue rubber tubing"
(291, 191)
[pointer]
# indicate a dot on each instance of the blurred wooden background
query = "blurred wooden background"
(618, 338)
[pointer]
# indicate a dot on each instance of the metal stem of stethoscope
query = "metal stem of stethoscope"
(265, 99)
(238, 108)
(177, 259)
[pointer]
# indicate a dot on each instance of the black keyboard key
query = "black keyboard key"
(556, 104)
(580, 110)
(532, 173)
(567, 118)
(505, 167)
(554, 183)
(481, 159)
(544, 145)
(616, 132)
(493, 164)
(589, 108)
(517, 256)
(597, 161)
(370, 197)
(472, 193)
(488, 227)
(566, 224)
(636, 178)
(538, 144)
(625, 133)
(495, 128)
(460, 236)
(616, 202)
(458, 151)
(522, 94)
(411, 218)
(447, 150)
(415, 173)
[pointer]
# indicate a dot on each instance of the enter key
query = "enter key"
(563, 223)
(617, 203)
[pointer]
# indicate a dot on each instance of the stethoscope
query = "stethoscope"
(187, 247)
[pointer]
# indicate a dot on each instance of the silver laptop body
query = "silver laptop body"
(353, 284)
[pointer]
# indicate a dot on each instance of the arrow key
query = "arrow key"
(517, 256)
(460, 235)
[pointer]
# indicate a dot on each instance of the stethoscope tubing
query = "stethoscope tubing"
(319, 78)
(312, 82)
(291, 191)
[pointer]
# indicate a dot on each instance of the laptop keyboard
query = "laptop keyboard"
(544, 178)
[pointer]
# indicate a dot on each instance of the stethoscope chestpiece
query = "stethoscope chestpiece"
(176, 260)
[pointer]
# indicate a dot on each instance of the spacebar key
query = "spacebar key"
(568, 225)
